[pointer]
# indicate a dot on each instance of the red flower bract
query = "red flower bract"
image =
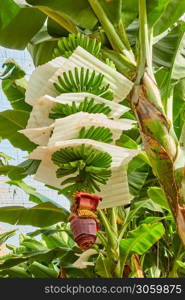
(84, 231)
(86, 201)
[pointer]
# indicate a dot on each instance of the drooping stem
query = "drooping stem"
(114, 219)
(109, 231)
(145, 55)
(122, 34)
(120, 44)
(112, 237)
(108, 26)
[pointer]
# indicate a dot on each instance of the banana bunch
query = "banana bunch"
(76, 121)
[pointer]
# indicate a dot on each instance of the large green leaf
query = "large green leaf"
(4, 169)
(141, 239)
(113, 10)
(136, 181)
(11, 121)
(169, 53)
(155, 9)
(4, 159)
(78, 12)
(178, 66)
(130, 15)
(5, 236)
(129, 11)
(55, 30)
(126, 142)
(138, 208)
(61, 237)
(27, 167)
(149, 220)
(24, 169)
(157, 195)
(149, 205)
(103, 266)
(137, 175)
(179, 106)
(18, 25)
(40, 256)
(171, 14)
(41, 215)
(41, 47)
(43, 52)
(41, 271)
(34, 196)
(181, 265)
(32, 244)
(15, 272)
(14, 85)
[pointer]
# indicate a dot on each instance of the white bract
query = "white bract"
(39, 136)
(39, 78)
(39, 116)
(69, 127)
(43, 78)
(119, 84)
(114, 193)
(82, 262)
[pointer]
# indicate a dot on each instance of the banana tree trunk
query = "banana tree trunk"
(160, 145)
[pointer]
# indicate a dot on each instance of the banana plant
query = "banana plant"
(101, 114)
